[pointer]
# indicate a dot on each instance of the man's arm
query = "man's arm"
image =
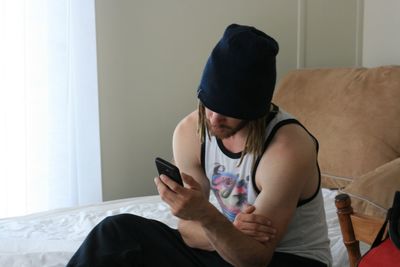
(289, 176)
(189, 203)
(186, 148)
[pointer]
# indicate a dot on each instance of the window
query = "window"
(49, 129)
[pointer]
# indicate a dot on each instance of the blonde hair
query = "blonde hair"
(255, 138)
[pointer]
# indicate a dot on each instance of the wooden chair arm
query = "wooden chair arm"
(355, 227)
(344, 210)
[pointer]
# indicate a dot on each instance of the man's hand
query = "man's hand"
(187, 203)
(257, 226)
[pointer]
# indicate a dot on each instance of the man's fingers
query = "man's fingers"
(261, 237)
(255, 227)
(254, 218)
(249, 209)
(165, 192)
(171, 184)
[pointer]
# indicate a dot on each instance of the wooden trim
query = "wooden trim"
(301, 33)
(359, 33)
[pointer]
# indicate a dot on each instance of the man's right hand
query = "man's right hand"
(257, 226)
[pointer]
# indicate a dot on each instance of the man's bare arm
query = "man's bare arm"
(186, 149)
(189, 203)
(289, 171)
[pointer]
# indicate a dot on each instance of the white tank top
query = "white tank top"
(234, 186)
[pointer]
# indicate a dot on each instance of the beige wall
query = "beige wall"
(381, 40)
(150, 58)
(331, 33)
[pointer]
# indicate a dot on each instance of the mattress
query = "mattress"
(49, 239)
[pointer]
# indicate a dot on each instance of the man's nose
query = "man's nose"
(216, 118)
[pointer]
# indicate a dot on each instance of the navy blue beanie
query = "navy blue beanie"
(239, 78)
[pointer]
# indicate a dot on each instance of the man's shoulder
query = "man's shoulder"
(290, 159)
(188, 125)
(292, 145)
(186, 144)
(293, 136)
(185, 132)
(190, 119)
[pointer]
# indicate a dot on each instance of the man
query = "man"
(258, 161)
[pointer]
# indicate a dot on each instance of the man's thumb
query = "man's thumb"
(187, 179)
(248, 209)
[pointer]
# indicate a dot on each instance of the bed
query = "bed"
(49, 239)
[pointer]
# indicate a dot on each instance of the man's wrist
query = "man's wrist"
(210, 217)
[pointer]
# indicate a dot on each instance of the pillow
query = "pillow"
(373, 193)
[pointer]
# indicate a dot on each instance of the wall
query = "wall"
(150, 58)
(381, 33)
(331, 33)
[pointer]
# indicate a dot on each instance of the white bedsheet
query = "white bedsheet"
(49, 239)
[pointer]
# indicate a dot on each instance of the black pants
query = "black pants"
(130, 240)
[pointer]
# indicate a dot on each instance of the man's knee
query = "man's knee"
(121, 220)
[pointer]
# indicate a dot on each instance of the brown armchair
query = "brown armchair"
(355, 115)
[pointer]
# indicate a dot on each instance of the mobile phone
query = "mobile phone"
(168, 169)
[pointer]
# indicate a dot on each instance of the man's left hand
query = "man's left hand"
(257, 226)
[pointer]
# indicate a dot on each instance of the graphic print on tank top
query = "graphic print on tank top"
(230, 189)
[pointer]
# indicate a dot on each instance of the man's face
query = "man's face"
(222, 126)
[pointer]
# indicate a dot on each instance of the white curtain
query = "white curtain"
(49, 122)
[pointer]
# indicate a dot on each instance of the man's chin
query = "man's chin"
(221, 133)
(222, 136)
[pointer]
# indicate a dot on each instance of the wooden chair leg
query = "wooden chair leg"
(344, 210)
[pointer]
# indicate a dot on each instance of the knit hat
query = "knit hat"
(239, 78)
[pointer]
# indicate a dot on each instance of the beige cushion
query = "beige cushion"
(373, 192)
(353, 112)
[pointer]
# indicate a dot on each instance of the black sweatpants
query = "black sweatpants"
(129, 240)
